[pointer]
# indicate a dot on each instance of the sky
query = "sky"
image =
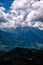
(21, 13)
(6, 3)
(14, 13)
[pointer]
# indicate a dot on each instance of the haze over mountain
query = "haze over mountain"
(21, 24)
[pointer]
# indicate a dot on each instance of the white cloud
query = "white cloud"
(23, 13)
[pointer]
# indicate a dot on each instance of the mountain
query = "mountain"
(28, 37)
(22, 56)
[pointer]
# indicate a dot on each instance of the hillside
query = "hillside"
(22, 56)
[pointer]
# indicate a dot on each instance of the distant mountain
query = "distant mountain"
(28, 37)
(22, 56)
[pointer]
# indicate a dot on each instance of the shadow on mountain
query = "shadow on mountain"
(30, 34)
(21, 56)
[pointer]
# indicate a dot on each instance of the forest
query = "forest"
(21, 56)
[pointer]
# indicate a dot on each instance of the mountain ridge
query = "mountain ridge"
(25, 37)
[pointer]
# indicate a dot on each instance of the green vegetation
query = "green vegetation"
(21, 56)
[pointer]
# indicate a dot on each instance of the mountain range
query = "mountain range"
(28, 37)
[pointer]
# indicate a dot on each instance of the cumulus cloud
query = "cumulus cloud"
(3, 15)
(23, 13)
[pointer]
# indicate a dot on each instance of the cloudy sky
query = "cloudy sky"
(21, 13)
(14, 13)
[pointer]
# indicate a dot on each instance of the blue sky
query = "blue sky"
(6, 3)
